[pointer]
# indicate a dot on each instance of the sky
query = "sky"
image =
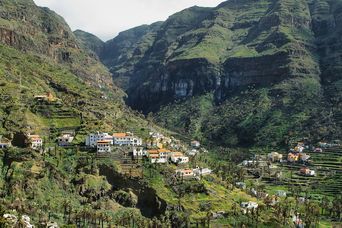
(106, 18)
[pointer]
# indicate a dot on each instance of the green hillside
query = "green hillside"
(271, 69)
(39, 55)
(244, 78)
(41, 31)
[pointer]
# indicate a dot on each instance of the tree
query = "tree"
(3, 222)
(66, 206)
(311, 214)
(324, 204)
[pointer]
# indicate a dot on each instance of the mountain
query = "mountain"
(89, 41)
(124, 51)
(39, 30)
(243, 73)
(49, 58)
(40, 56)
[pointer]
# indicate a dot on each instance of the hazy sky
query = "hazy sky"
(106, 18)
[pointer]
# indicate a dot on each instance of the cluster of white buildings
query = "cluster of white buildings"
(104, 141)
(245, 206)
(34, 142)
(158, 140)
(165, 155)
(14, 221)
(190, 173)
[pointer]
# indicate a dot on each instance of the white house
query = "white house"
(4, 144)
(241, 185)
(91, 139)
(299, 148)
(179, 158)
(195, 144)
(304, 157)
(249, 162)
(185, 173)
(139, 152)
(202, 171)
(318, 150)
(65, 139)
(156, 157)
(307, 172)
(104, 146)
(35, 141)
(192, 152)
(281, 193)
(126, 139)
(248, 206)
(275, 157)
(164, 153)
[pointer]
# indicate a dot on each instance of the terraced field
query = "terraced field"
(127, 166)
(328, 179)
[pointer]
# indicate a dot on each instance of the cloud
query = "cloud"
(106, 18)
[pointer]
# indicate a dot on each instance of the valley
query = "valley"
(227, 116)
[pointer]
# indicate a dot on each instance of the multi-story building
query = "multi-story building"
(92, 139)
(104, 146)
(126, 139)
(179, 158)
(35, 141)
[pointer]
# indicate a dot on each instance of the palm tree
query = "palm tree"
(66, 205)
(311, 214)
(241, 174)
(324, 204)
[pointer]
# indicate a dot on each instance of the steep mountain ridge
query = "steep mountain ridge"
(52, 83)
(89, 41)
(279, 55)
(29, 28)
(124, 51)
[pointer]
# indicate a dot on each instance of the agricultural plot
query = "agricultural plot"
(328, 179)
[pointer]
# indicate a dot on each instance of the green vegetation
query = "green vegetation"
(79, 106)
(244, 74)
(268, 67)
(61, 186)
(89, 41)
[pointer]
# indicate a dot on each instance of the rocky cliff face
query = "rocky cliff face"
(235, 44)
(288, 48)
(29, 28)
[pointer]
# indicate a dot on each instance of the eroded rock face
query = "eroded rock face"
(227, 48)
(177, 80)
(8, 37)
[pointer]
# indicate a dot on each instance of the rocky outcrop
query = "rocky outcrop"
(179, 79)
(9, 37)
